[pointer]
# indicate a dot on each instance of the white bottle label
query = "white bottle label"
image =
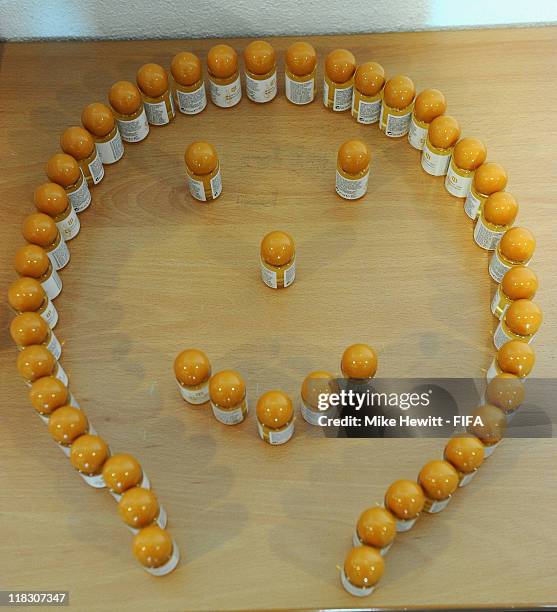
(351, 189)
(195, 396)
(216, 185)
(69, 227)
(134, 130)
(157, 113)
(59, 256)
(467, 478)
(404, 525)
(229, 417)
(493, 371)
(342, 99)
(299, 92)
(325, 93)
(261, 90)
(368, 112)
(50, 314)
(312, 416)
(61, 375)
(278, 437)
(456, 184)
(434, 163)
(54, 346)
(290, 274)
(96, 481)
(417, 134)
(226, 96)
(398, 125)
(486, 238)
(501, 336)
(437, 506)
(52, 285)
(111, 150)
(488, 450)
(81, 197)
(269, 277)
(472, 205)
(96, 168)
(352, 589)
(498, 268)
(192, 102)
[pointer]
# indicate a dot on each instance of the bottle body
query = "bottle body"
(159, 110)
(487, 235)
(190, 99)
(276, 436)
(395, 122)
(337, 96)
(499, 265)
(195, 394)
(417, 132)
(230, 415)
(474, 201)
(435, 161)
(110, 147)
(351, 186)
(92, 167)
(79, 194)
(205, 187)
(299, 89)
(458, 180)
(261, 88)
(225, 92)
(366, 109)
(58, 253)
(68, 223)
(133, 127)
(504, 334)
(278, 277)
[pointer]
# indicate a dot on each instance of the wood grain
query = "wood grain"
(153, 272)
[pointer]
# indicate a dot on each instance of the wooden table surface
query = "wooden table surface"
(153, 272)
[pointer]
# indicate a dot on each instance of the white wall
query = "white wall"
(43, 19)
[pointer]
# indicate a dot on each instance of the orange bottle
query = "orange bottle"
(192, 369)
(99, 120)
(66, 424)
(340, 66)
(465, 454)
(299, 74)
(27, 295)
(362, 570)
(122, 472)
(49, 393)
(261, 71)
(278, 260)
(514, 357)
(203, 171)
(405, 500)
(519, 283)
(224, 76)
(36, 361)
(78, 142)
(189, 87)
(29, 328)
(352, 174)
(52, 200)
(397, 107)
(156, 550)
(506, 391)
(488, 426)
(376, 527)
(317, 386)
(496, 217)
(488, 178)
(158, 100)
(275, 417)
(32, 260)
(439, 480)
(139, 508)
(41, 230)
(369, 82)
(359, 362)
(429, 104)
(515, 248)
(65, 171)
(521, 321)
(227, 392)
(442, 135)
(129, 110)
(468, 155)
(88, 454)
